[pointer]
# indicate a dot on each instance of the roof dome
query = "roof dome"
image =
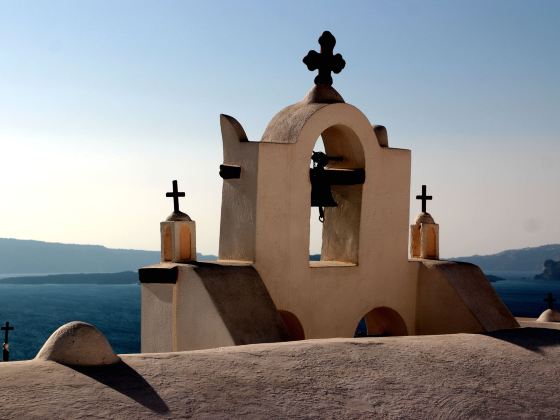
(78, 344)
(550, 315)
(424, 218)
(178, 216)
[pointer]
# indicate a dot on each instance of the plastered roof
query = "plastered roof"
(499, 375)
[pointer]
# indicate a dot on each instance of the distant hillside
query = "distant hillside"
(28, 257)
(526, 259)
(126, 277)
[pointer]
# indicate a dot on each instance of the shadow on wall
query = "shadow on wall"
(125, 380)
(381, 322)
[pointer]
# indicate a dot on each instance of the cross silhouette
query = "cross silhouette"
(325, 61)
(550, 301)
(6, 328)
(175, 194)
(6, 348)
(424, 198)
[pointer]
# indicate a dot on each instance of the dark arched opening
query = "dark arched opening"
(381, 322)
(336, 176)
(293, 326)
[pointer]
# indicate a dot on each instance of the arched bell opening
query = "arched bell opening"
(337, 175)
(293, 326)
(381, 322)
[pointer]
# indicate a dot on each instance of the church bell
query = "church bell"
(321, 194)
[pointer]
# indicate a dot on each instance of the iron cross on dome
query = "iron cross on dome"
(325, 61)
(175, 194)
(424, 197)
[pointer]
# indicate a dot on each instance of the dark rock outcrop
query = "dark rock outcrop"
(551, 271)
(492, 279)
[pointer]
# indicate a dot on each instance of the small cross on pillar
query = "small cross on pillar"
(424, 233)
(550, 301)
(178, 232)
(325, 61)
(424, 198)
(175, 194)
(6, 346)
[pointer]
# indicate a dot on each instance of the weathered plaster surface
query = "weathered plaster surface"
(424, 238)
(78, 343)
(328, 300)
(507, 374)
(178, 241)
(239, 196)
(157, 305)
(197, 323)
(457, 297)
(208, 305)
(533, 323)
(286, 126)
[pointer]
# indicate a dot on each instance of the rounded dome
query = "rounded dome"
(550, 315)
(178, 216)
(78, 343)
(424, 218)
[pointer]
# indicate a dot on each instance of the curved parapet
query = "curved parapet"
(381, 134)
(239, 191)
(456, 297)
(288, 126)
(232, 130)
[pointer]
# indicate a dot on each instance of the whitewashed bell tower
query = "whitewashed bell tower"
(264, 287)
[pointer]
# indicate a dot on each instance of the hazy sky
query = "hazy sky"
(103, 103)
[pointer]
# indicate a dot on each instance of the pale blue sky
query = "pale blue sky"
(103, 103)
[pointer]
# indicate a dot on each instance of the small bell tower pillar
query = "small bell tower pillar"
(178, 233)
(424, 233)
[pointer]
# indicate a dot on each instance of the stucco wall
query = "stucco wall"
(205, 306)
(330, 301)
(237, 228)
(457, 297)
(157, 318)
(198, 323)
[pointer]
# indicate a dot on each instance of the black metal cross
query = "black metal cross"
(6, 328)
(325, 61)
(550, 301)
(424, 198)
(175, 194)
(6, 348)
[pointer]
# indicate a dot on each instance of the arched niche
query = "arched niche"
(341, 227)
(293, 325)
(381, 321)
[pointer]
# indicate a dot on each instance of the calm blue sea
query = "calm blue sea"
(37, 310)
(524, 295)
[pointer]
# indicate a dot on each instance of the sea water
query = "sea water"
(523, 294)
(37, 310)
